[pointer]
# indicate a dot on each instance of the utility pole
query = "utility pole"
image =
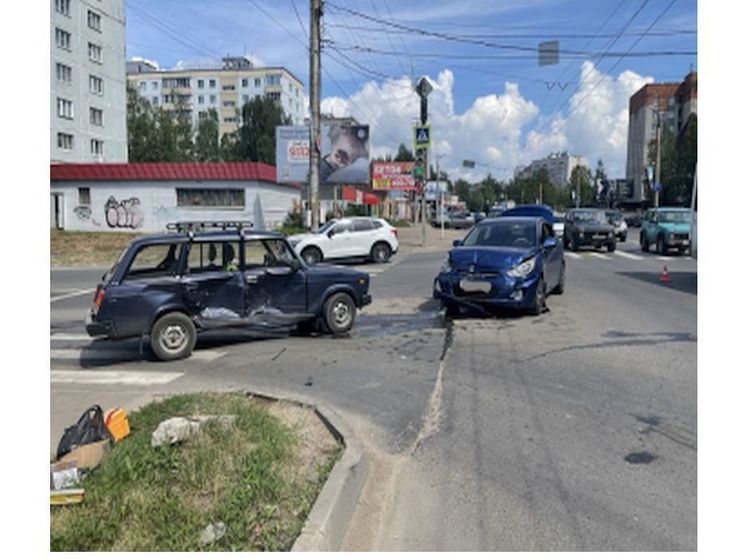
(315, 67)
(657, 156)
(440, 194)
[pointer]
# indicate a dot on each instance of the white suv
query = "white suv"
(369, 237)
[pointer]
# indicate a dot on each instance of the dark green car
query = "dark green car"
(666, 229)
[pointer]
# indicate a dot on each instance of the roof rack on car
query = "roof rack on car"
(191, 227)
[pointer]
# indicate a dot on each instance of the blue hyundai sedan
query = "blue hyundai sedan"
(508, 262)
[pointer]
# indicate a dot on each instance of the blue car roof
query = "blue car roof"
(531, 210)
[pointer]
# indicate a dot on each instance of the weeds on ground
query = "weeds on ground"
(161, 499)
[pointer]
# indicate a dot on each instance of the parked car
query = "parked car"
(666, 229)
(367, 237)
(557, 221)
(620, 226)
(454, 220)
(171, 287)
(559, 225)
(633, 220)
(509, 262)
(588, 227)
(478, 216)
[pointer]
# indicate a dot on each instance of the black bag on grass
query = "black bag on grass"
(89, 429)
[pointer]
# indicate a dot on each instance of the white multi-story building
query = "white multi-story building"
(226, 88)
(558, 165)
(88, 101)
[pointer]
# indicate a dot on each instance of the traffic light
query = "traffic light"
(419, 163)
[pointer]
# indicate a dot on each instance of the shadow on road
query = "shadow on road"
(680, 281)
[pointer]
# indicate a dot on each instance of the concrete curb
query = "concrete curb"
(327, 523)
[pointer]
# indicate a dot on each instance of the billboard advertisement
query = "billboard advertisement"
(393, 175)
(345, 153)
(292, 145)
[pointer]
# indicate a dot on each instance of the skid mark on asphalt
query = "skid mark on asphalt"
(142, 378)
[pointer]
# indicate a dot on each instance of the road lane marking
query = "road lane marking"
(71, 295)
(665, 258)
(92, 354)
(601, 256)
(70, 337)
(629, 255)
(573, 255)
(112, 377)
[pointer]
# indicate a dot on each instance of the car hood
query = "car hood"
(300, 237)
(488, 258)
(675, 227)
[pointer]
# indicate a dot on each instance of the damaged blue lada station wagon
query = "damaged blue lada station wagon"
(203, 276)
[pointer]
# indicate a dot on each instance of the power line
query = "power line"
(300, 22)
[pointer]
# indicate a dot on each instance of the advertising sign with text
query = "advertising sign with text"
(393, 175)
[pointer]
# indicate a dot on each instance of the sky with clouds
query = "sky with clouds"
(492, 102)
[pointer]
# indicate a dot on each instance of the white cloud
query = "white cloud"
(501, 130)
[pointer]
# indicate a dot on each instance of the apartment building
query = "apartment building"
(225, 88)
(673, 103)
(558, 165)
(88, 102)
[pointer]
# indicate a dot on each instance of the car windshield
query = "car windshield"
(590, 216)
(324, 228)
(502, 235)
(675, 217)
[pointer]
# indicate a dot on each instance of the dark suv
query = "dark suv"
(588, 227)
(174, 285)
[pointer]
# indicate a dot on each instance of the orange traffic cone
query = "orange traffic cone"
(664, 275)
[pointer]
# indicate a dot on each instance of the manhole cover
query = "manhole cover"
(639, 458)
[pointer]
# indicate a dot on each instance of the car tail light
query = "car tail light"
(395, 232)
(98, 298)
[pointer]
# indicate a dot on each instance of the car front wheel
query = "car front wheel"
(173, 337)
(339, 313)
(539, 300)
(644, 245)
(660, 246)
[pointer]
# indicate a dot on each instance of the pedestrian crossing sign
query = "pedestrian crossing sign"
(422, 136)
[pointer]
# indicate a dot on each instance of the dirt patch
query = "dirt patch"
(315, 440)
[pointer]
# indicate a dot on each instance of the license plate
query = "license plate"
(599, 237)
(471, 285)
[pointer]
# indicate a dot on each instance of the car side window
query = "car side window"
(377, 224)
(546, 231)
(343, 227)
(267, 253)
(362, 225)
(212, 257)
(155, 261)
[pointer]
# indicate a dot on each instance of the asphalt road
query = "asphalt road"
(575, 430)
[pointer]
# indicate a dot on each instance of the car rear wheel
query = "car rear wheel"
(380, 253)
(173, 336)
(611, 247)
(574, 244)
(540, 299)
(311, 255)
(339, 313)
(660, 246)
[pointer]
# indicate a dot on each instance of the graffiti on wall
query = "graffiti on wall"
(126, 213)
(83, 213)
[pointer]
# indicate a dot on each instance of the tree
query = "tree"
(140, 127)
(404, 154)
(255, 138)
(207, 141)
(678, 163)
(581, 182)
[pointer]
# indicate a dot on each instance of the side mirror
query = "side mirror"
(458, 242)
(330, 233)
(550, 242)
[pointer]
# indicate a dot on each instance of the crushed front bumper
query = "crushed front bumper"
(515, 293)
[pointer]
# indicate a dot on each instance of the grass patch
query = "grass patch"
(249, 476)
(74, 248)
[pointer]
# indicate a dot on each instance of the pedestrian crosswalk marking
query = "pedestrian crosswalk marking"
(112, 377)
(601, 256)
(95, 354)
(629, 255)
(70, 337)
(573, 255)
